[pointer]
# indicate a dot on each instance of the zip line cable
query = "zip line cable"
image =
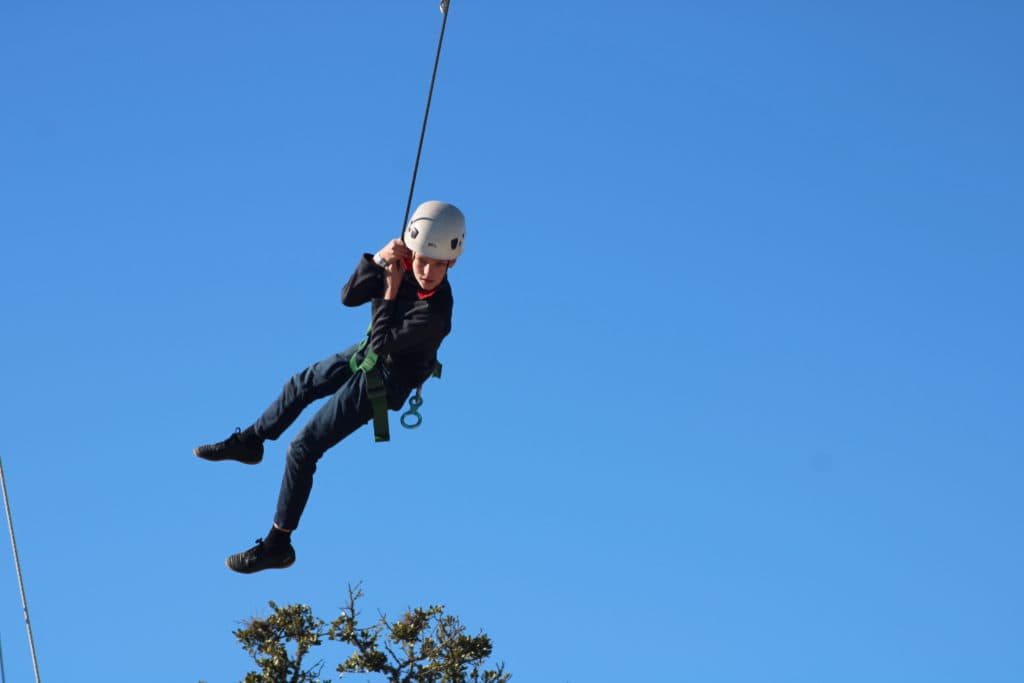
(17, 566)
(426, 114)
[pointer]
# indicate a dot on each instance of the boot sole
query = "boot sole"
(254, 571)
(195, 452)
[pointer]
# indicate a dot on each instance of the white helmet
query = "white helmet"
(436, 230)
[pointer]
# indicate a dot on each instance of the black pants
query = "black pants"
(347, 409)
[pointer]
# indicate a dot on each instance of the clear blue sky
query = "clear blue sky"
(734, 391)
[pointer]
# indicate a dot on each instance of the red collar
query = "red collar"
(420, 293)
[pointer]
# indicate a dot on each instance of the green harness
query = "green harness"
(378, 393)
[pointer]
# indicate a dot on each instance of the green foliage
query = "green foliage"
(269, 640)
(424, 646)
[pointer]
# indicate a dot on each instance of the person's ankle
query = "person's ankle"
(278, 537)
(249, 435)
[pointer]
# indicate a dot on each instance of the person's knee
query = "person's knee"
(299, 385)
(303, 452)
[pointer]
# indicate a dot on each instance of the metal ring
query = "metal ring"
(412, 415)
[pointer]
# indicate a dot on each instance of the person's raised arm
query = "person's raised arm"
(372, 274)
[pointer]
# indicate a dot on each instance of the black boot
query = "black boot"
(274, 553)
(245, 447)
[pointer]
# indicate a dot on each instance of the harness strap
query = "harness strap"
(376, 391)
(378, 394)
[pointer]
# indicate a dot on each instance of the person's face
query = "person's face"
(429, 272)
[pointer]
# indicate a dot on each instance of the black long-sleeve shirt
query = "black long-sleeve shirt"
(406, 331)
